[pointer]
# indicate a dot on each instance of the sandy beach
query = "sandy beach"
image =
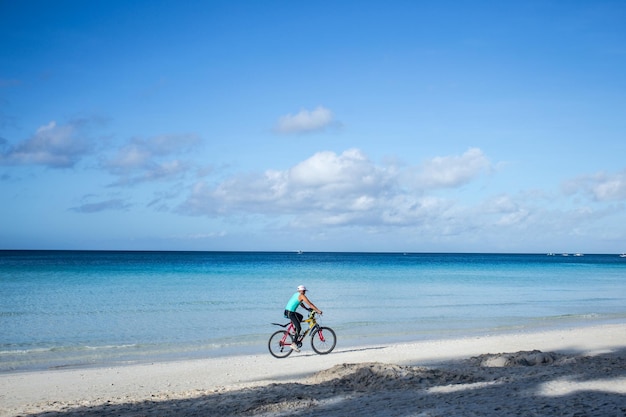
(569, 372)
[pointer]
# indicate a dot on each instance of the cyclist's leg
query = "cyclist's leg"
(300, 318)
(296, 318)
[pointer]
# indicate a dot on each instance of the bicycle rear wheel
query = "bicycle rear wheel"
(323, 341)
(277, 347)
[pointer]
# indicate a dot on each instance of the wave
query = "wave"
(4, 351)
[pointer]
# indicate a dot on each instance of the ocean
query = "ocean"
(98, 308)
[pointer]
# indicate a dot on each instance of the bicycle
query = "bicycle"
(323, 339)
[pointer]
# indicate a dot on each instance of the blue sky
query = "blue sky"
(427, 126)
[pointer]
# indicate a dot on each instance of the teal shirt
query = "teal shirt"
(293, 302)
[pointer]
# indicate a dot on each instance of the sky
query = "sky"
(376, 126)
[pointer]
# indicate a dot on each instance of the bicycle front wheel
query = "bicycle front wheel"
(323, 341)
(280, 344)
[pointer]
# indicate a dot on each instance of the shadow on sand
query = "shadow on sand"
(467, 388)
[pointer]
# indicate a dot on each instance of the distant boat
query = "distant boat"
(565, 254)
(549, 254)
(623, 255)
(579, 254)
(300, 252)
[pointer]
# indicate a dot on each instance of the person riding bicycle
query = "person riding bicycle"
(298, 299)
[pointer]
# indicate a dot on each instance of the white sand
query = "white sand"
(578, 372)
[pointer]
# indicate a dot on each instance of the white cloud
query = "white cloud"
(142, 160)
(600, 187)
(514, 218)
(305, 121)
(449, 171)
(330, 188)
(52, 146)
(325, 168)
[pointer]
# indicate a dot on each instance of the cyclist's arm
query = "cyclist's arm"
(304, 298)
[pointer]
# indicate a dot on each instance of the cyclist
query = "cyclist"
(298, 299)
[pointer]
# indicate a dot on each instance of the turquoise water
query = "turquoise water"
(65, 308)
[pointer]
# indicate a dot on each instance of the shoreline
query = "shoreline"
(259, 347)
(33, 392)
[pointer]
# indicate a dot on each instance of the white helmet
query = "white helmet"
(301, 288)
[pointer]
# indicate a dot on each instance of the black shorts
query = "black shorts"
(288, 315)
